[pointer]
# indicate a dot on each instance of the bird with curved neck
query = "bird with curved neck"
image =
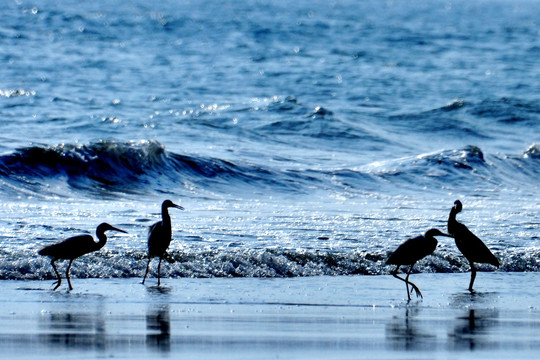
(412, 250)
(469, 244)
(74, 247)
(159, 237)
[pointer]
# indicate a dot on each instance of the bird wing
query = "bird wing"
(70, 248)
(158, 239)
(472, 247)
(153, 228)
(411, 251)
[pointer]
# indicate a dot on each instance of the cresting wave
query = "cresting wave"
(105, 168)
(455, 169)
(262, 263)
(126, 168)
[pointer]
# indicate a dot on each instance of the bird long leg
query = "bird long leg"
(158, 271)
(418, 293)
(407, 282)
(394, 274)
(147, 268)
(473, 276)
(67, 274)
(59, 278)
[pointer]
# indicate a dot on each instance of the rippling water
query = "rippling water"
(312, 142)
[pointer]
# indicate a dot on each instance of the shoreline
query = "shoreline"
(299, 318)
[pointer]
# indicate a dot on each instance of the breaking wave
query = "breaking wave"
(264, 263)
(105, 168)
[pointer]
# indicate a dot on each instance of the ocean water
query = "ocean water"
(303, 138)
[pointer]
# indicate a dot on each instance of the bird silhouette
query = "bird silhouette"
(159, 237)
(469, 244)
(412, 250)
(74, 247)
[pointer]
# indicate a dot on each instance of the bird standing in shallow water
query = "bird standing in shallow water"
(410, 252)
(159, 237)
(74, 247)
(469, 244)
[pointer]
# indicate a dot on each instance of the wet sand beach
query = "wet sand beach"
(344, 317)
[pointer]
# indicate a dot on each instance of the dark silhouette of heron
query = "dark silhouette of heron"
(412, 250)
(159, 237)
(74, 247)
(469, 244)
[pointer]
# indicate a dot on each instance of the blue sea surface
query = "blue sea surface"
(303, 138)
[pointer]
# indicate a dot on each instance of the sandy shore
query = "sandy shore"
(299, 318)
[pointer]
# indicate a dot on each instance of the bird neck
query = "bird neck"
(166, 219)
(452, 215)
(102, 239)
(452, 221)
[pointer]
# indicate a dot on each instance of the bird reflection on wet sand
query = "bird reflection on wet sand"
(79, 331)
(471, 329)
(468, 327)
(158, 327)
(405, 332)
(468, 299)
(82, 331)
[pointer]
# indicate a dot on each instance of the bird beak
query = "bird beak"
(443, 234)
(178, 207)
(117, 229)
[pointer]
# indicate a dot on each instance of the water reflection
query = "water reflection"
(466, 298)
(87, 331)
(74, 330)
(471, 329)
(158, 328)
(404, 332)
(158, 290)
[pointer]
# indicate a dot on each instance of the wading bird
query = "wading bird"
(469, 244)
(74, 247)
(412, 250)
(159, 237)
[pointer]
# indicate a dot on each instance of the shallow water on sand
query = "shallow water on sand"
(345, 317)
